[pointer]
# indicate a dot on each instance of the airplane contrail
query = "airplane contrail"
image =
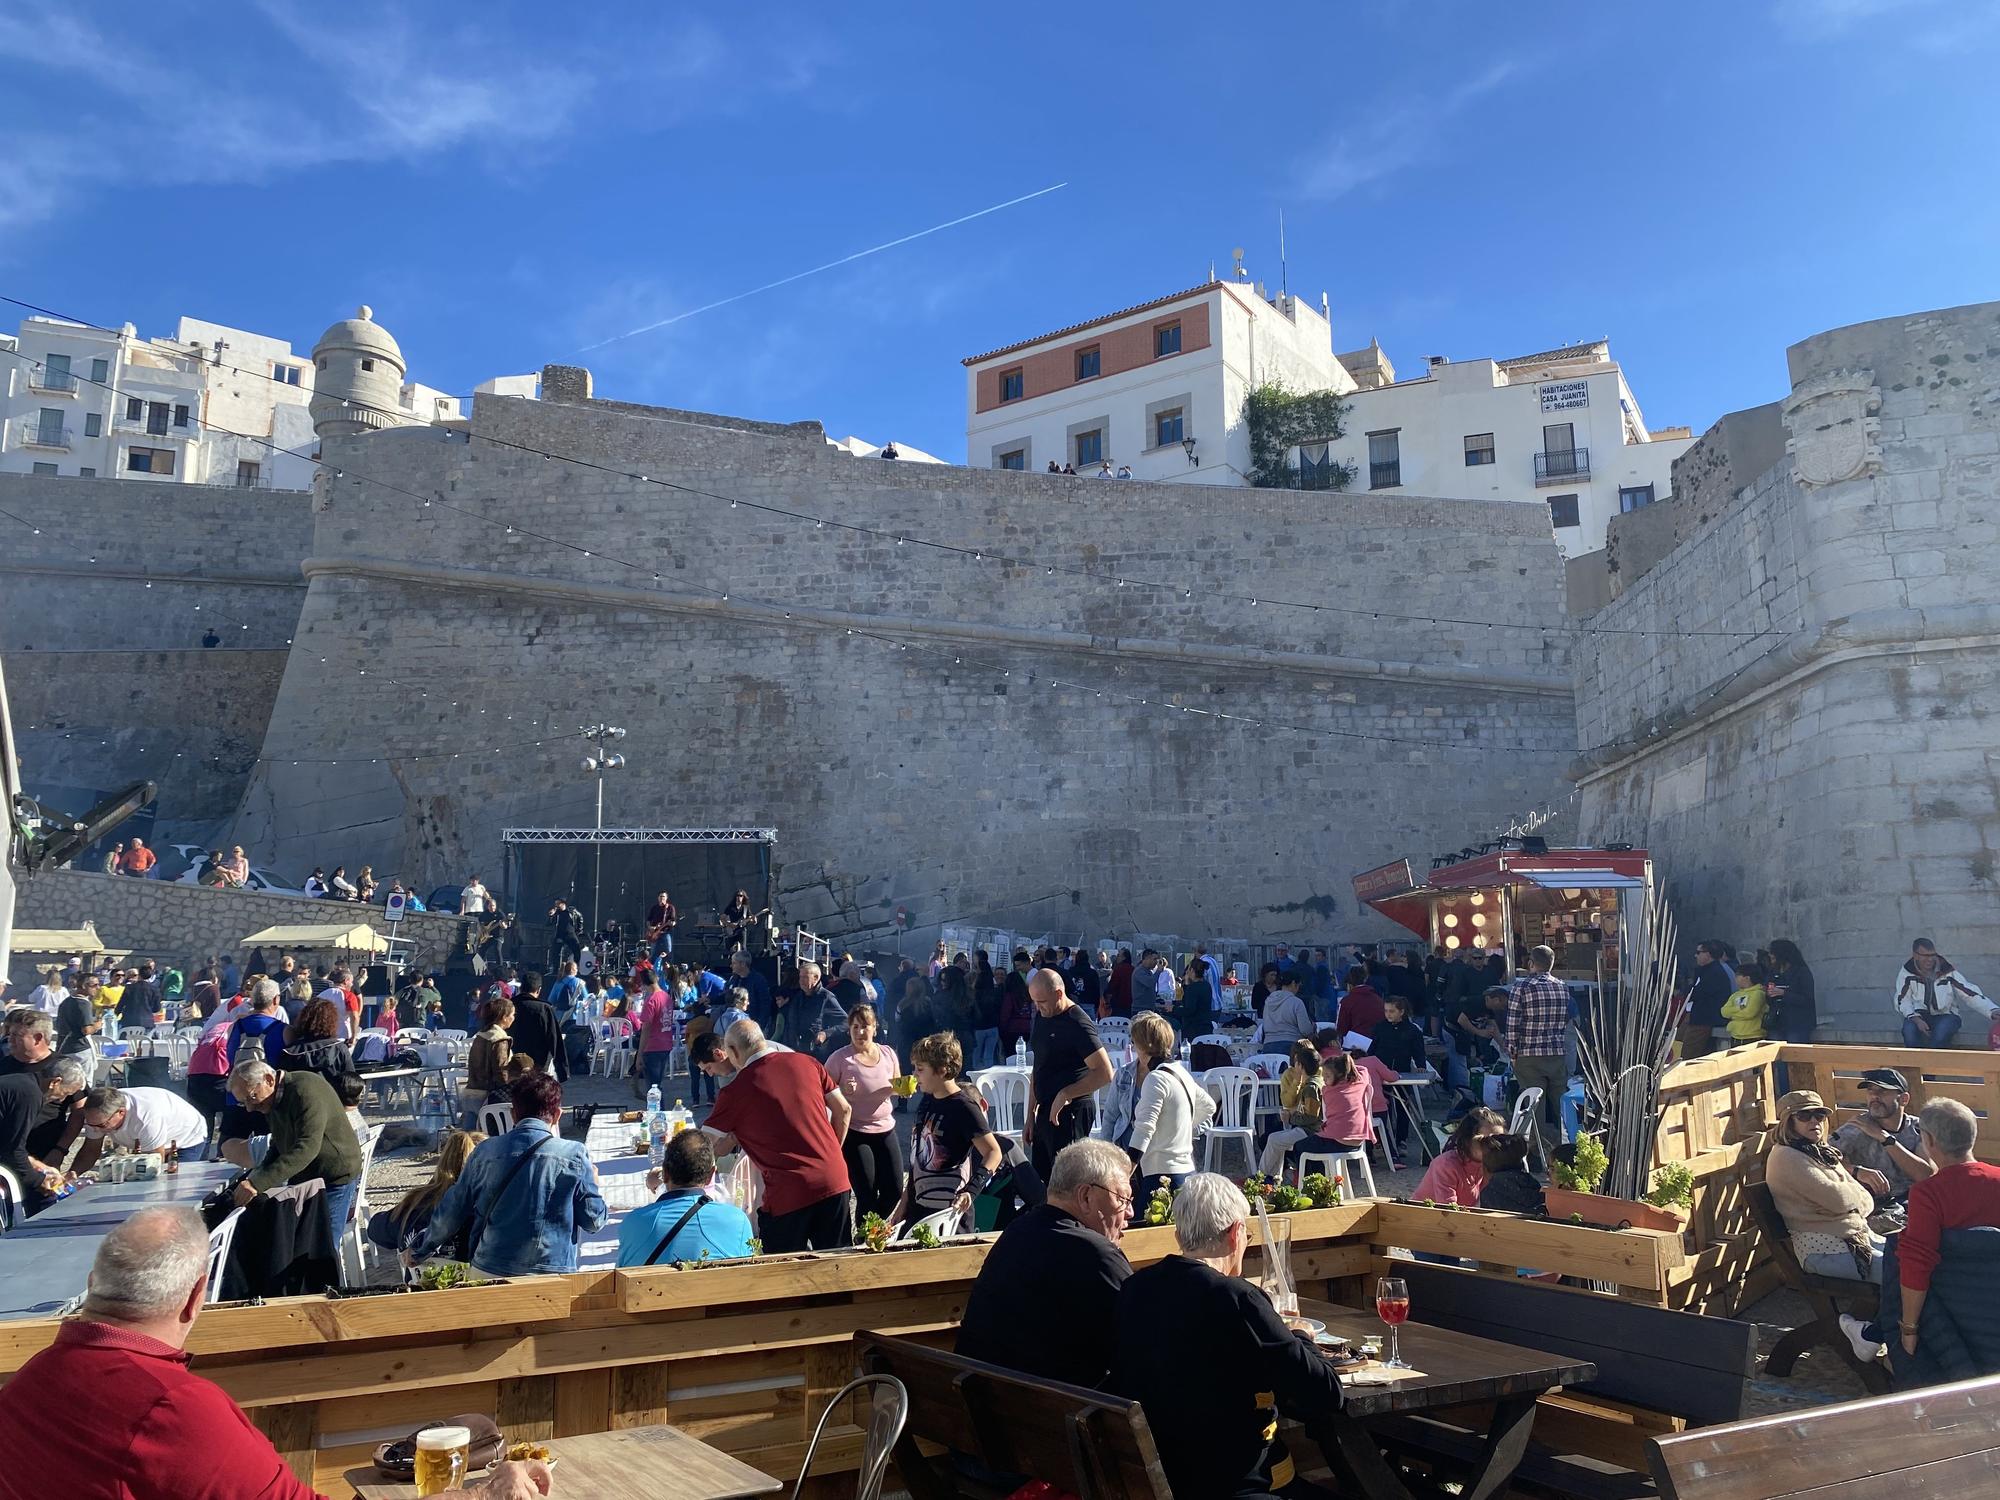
(830, 265)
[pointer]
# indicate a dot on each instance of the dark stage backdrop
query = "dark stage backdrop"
(700, 877)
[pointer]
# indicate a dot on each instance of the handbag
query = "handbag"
(679, 1224)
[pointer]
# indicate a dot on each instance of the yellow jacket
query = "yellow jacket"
(1743, 1013)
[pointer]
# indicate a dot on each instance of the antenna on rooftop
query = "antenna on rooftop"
(1284, 277)
(1237, 269)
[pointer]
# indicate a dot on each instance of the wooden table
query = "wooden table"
(1458, 1370)
(661, 1463)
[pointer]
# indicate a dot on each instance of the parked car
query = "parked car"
(181, 863)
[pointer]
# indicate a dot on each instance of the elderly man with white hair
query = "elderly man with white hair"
(1217, 1434)
(1043, 1301)
(789, 1116)
(33, 1112)
(310, 1136)
(156, 1430)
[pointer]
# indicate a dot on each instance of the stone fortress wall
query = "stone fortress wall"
(190, 923)
(1832, 780)
(975, 776)
(106, 671)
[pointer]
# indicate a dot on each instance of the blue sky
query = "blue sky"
(1704, 183)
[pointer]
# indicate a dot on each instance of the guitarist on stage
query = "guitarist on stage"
(661, 920)
(736, 919)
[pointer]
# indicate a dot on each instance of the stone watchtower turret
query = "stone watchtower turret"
(357, 378)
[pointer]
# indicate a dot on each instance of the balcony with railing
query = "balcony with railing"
(1385, 476)
(1564, 466)
(59, 382)
(248, 479)
(34, 433)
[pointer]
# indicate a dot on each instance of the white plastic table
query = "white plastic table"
(45, 1261)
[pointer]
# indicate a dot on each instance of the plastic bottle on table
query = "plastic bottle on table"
(656, 1131)
(652, 1101)
(1020, 1052)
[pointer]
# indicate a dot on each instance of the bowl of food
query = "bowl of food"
(521, 1453)
(1312, 1326)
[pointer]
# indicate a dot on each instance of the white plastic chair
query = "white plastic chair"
(1269, 1068)
(1115, 1025)
(180, 1052)
(944, 1224)
(1337, 1165)
(1235, 1094)
(1006, 1094)
(1527, 1120)
(12, 1203)
(496, 1117)
(1215, 1038)
(220, 1239)
(353, 1249)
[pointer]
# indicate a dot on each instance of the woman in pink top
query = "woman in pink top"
(1458, 1173)
(874, 1155)
(1347, 1101)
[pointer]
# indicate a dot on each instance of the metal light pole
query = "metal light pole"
(596, 764)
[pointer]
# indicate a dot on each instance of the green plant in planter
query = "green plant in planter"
(1586, 1167)
(1320, 1191)
(1673, 1187)
(1160, 1206)
(925, 1238)
(875, 1232)
(445, 1275)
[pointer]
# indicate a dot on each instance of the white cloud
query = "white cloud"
(1395, 139)
(377, 84)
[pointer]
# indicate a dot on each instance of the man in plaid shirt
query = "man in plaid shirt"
(1537, 1012)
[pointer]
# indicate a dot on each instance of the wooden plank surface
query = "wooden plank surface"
(1898, 1444)
(1457, 1368)
(1630, 1257)
(660, 1463)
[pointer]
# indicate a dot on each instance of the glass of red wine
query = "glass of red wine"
(1392, 1305)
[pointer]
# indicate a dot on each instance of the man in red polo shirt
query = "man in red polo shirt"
(788, 1114)
(153, 1431)
(1961, 1194)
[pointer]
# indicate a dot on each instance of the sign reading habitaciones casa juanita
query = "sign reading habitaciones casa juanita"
(1564, 395)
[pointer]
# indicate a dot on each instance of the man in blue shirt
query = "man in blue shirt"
(684, 1223)
(526, 1197)
(568, 990)
(759, 988)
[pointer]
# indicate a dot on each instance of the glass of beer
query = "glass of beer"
(441, 1457)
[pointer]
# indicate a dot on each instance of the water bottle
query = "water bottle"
(653, 1102)
(656, 1130)
(1020, 1052)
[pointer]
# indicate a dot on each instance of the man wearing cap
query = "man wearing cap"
(1887, 1138)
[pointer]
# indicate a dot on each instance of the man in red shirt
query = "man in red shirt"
(1962, 1194)
(788, 1114)
(155, 1431)
(138, 860)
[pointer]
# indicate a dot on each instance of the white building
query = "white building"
(1156, 388)
(211, 405)
(1560, 428)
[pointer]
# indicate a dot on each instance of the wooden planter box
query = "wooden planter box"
(1565, 1205)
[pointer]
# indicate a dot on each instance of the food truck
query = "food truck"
(1516, 893)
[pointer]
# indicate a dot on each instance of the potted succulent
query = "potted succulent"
(1573, 1194)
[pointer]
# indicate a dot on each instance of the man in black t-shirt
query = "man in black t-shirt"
(76, 1018)
(1045, 1296)
(1071, 1065)
(140, 1002)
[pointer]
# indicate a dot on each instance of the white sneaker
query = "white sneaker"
(1865, 1348)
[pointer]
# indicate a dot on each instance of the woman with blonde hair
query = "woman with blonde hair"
(1170, 1110)
(402, 1226)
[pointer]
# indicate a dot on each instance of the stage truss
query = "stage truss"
(638, 835)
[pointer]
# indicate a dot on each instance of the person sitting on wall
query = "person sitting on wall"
(683, 1223)
(1932, 995)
